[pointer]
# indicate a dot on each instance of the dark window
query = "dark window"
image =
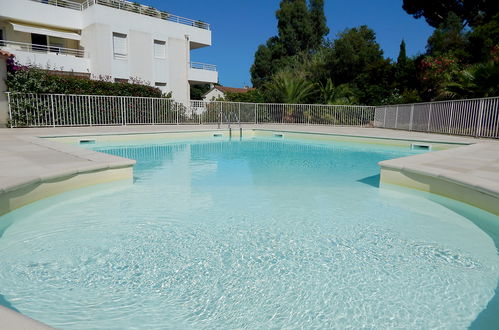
(1, 38)
(39, 42)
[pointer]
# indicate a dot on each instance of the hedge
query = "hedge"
(29, 79)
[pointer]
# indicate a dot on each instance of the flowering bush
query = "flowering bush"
(435, 68)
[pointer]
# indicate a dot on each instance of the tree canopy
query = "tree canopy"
(300, 66)
(301, 29)
(435, 12)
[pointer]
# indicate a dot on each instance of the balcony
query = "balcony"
(48, 57)
(127, 6)
(202, 73)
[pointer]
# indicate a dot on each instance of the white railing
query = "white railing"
(39, 110)
(475, 117)
(128, 6)
(62, 3)
(34, 48)
(145, 10)
(203, 66)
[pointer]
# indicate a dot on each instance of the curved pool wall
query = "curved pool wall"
(20, 194)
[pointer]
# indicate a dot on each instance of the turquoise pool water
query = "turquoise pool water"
(250, 234)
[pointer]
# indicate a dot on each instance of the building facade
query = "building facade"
(112, 39)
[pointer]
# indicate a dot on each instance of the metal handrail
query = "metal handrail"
(61, 3)
(145, 10)
(35, 48)
(203, 66)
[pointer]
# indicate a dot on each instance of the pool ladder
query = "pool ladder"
(228, 118)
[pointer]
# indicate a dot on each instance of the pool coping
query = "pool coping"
(40, 176)
(86, 167)
(469, 174)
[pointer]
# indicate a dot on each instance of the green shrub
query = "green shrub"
(34, 80)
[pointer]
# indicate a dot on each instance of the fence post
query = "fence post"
(176, 107)
(384, 119)
(123, 114)
(412, 116)
(480, 118)
(256, 118)
(220, 114)
(52, 109)
(153, 102)
(89, 111)
(451, 116)
(10, 110)
(396, 116)
(429, 119)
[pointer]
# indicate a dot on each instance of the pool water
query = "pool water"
(258, 233)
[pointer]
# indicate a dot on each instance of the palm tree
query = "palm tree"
(340, 95)
(478, 80)
(290, 88)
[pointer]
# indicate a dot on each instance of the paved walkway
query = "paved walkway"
(352, 131)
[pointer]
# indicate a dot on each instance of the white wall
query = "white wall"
(140, 54)
(52, 61)
(178, 82)
(97, 41)
(43, 14)
(203, 76)
(160, 29)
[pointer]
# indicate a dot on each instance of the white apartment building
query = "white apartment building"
(113, 38)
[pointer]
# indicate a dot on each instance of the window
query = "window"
(159, 49)
(39, 42)
(120, 80)
(161, 86)
(1, 38)
(56, 44)
(120, 46)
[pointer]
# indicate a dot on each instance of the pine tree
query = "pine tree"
(319, 22)
(402, 58)
(294, 26)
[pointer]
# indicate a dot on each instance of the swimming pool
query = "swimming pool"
(258, 233)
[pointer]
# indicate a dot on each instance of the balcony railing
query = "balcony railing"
(34, 48)
(203, 66)
(61, 3)
(128, 6)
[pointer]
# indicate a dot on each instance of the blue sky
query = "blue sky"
(239, 26)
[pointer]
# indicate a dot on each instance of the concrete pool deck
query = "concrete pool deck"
(32, 168)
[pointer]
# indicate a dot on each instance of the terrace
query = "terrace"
(127, 6)
(60, 58)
